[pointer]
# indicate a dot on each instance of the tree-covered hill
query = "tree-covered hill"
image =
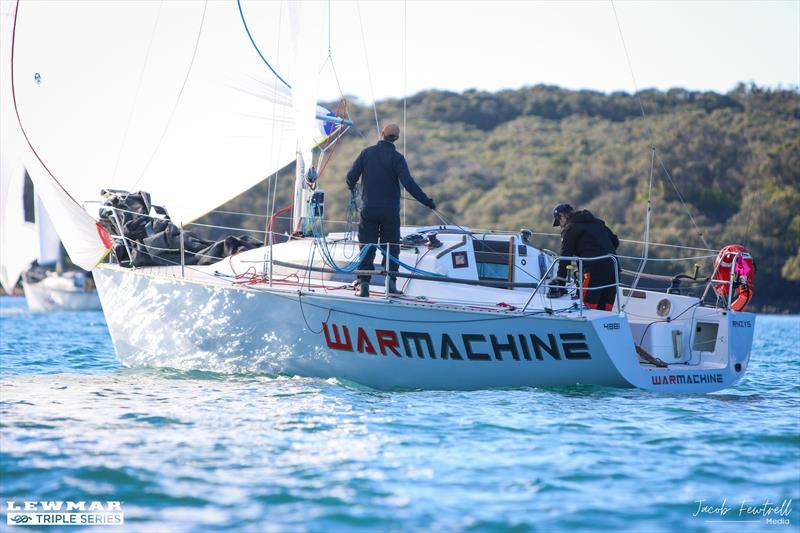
(503, 160)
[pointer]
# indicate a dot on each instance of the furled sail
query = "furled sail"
(169, 97)
(307, 29)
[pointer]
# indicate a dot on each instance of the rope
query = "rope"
(303, 313)
(241, 13)
(318, 231)
(369, 72)
(351, 224)
(269, 193)
(336, 135)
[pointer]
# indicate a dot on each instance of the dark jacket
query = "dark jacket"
(383, 169)
(587, 236)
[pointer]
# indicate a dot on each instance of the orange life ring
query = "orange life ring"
(743, 274)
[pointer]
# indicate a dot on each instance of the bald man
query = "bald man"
(383, 169)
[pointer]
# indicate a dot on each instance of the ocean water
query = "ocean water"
(197, 451)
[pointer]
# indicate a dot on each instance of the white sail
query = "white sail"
(18, 245)
(168, 97)
(307, 31)
(18, 241)
(49, 243)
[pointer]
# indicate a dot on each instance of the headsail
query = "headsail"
(18, 243)
(167, 97)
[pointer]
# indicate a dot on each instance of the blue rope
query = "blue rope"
(239, 3)
(319, 235)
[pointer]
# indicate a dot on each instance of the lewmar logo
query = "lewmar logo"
(470, 346)
(58, 513)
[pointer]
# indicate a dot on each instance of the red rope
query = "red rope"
(272, 218)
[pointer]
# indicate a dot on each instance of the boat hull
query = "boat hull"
(167, 321)
(47, 296)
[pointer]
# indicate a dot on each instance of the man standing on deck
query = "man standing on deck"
(383, 169)
(583, 235)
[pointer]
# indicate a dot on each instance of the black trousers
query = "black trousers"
(598, 274)
(379, 226)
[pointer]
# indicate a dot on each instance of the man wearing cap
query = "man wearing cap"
(583, 235)
(383, 169)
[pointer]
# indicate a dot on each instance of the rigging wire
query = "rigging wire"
(273, 183)
(405, 90)
(630, 69)
(330, 55)
(646, 252)
(683, 202)
(369, 72)
(650, 132)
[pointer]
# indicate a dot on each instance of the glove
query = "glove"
(431, 204)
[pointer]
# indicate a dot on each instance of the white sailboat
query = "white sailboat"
(177, 99)
(32, 251)
(51, 284)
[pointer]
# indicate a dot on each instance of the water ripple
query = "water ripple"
(202, 451)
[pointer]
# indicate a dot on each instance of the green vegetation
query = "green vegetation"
(503, 160)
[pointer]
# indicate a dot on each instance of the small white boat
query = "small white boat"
(204, 117)
(73, 290)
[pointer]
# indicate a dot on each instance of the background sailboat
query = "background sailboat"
(30, 249)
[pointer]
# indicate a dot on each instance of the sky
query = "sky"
(384, 48)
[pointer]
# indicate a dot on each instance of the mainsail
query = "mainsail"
(168, 97)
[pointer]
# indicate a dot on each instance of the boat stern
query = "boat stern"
(707, 352)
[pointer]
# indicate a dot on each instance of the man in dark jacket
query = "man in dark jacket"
(383, 169)
(583, 235)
